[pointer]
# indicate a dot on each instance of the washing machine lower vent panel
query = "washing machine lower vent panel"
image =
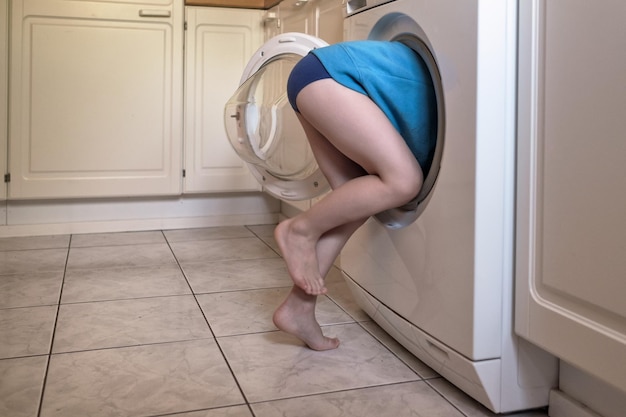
(482, 380)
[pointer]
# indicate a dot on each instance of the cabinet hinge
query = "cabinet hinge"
(7, 177)
(185, 26)
(184, 173)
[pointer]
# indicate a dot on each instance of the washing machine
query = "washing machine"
(437, 273)
(443, 285)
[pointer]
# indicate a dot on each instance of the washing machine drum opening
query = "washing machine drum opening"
(403, 216)
(259, 116)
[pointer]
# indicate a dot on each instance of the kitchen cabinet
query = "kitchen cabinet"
(329, 20)
(4, 91)
(219, 42)
(320, 18)
(96, 98)
(571, 234)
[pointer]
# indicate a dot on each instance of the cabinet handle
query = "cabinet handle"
(155, 13)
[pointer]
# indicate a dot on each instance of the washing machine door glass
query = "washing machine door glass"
(263, 128)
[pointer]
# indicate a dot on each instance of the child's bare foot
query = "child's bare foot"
(301, 258)
(296, 316)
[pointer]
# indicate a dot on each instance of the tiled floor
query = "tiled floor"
(179, 322)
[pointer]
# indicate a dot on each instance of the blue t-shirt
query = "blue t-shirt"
(397, 80)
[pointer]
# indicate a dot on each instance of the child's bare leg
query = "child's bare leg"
(356, 133)
(370, 169)
(294, 244)
(296, 314)
(298, 248)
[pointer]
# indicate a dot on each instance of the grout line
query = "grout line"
(441, 394)
(95, 349)
(263, 241)
(54, 329)
(243, 395)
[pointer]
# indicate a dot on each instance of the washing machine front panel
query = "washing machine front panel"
(358, 6)
(263, 128)
(443, 285)
(445, 272)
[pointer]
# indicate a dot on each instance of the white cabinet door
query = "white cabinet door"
(271, 22)
(571, 247)
(219, 44)
(297, 17)
(319, 18)
(329, 25)
(96, 98)
(4, 99)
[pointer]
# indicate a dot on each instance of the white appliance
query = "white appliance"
(442, 285)
(571, 234)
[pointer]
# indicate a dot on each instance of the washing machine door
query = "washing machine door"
(263, 128)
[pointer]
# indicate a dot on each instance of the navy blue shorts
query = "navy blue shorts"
(306, 71)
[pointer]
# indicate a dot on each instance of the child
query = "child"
(368, 111)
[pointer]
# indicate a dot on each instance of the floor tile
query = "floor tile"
(241, 312)
(26, 331)
(128, 322)
(413, 399)
(123, 283)
(243, 274)
(221, 250)
(131, 335)
(271, 242)
(139, 381)
(469, 406)
(30, 289)
(21, 382)
(262, 230)
(120, 256)
(27, 261)
(237, 411)
(34, 242)
(340, 293)
(208, 233)
(407, 357)
(112, 239)
(275, 365)
(265, 232)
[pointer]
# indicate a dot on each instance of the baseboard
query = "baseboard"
(33, 218)
(561, 405)
(134, 225)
